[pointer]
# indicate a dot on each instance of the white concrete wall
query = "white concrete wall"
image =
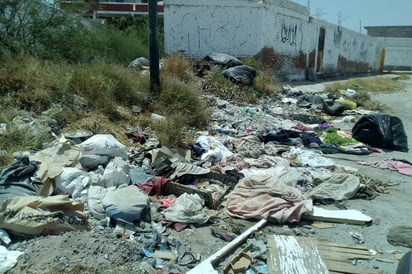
(354, 47)
(196, 28)
(398, 53)
(279, 31)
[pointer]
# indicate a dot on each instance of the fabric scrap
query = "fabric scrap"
(267, 198)
(336, 187)
(188, 208)
(402, 167)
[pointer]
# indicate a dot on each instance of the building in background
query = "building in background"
(279, 32)
(110, 8)
(397, 41)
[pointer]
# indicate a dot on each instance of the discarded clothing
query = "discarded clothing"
(338, 137)
(305, 157)
(167, 202)
(215, 150)
(154, 186)
(16, 181)
(403, 167)
(282, 136)
(334, 187)
(267, 198)
(188, 208)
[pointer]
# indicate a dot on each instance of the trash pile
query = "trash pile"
(265, 162)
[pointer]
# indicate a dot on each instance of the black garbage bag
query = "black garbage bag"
(308, 100)
(405, 264)
(222, 59)
(15, 180)
(382, 131)
(333, 108)
(240, 74)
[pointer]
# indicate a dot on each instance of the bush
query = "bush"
(178, 67)
(105, 86)
(178, 98)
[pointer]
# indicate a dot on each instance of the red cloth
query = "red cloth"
(154, 186)
(167, 202)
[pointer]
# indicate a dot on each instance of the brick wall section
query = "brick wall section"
(280, 32)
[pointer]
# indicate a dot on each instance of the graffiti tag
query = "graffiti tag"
(288, 34)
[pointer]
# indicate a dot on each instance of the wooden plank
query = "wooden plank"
(348, 216)
(339, 256)
(327, 243)
(343, 250)
(288, 256)
(342, 267)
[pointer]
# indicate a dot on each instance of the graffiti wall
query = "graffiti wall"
(197, 28)
(279, 32)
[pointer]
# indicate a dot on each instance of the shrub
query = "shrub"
(178, 98)
(178, 67)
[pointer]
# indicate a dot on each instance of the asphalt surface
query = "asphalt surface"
(387, 210)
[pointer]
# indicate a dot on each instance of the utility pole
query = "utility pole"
(153, 49)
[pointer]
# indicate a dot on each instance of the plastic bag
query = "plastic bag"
(72, 181)
(382, 131)
(104, 144)
(222, 59)
(127, 203)
(240, 74)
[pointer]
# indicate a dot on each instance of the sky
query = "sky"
(356, 14)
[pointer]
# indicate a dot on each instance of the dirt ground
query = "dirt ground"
(101, 251)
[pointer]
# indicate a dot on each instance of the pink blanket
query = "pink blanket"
(269, 198)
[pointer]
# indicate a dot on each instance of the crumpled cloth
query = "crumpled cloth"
(267, 198)
(188, 208)
(395, 165)
(154, 186)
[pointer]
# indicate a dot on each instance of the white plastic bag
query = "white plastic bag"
(104, 144)
(116, 173)
(72, 181)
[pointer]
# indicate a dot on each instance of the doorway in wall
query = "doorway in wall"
(321, 46)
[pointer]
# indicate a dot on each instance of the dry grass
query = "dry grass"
(369, 84)
(178, 67)
(364, 87)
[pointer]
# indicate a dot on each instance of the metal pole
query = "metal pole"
(153, 48)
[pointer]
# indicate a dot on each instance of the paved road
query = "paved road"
(388, 210)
